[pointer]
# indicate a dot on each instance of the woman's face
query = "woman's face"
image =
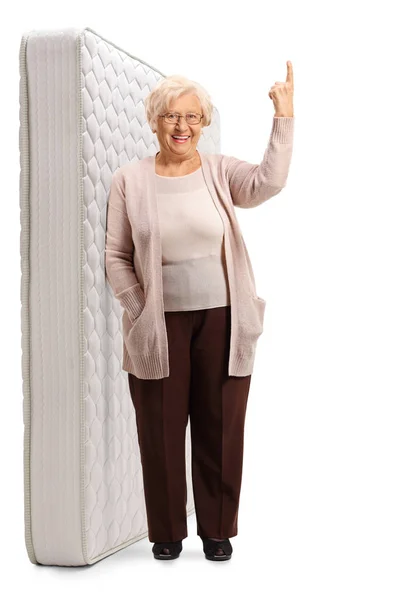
(169, 148)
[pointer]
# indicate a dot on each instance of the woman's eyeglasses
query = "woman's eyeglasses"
(191, 118)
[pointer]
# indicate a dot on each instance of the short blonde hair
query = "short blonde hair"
(170, 88)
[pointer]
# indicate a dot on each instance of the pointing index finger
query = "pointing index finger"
(289, 76)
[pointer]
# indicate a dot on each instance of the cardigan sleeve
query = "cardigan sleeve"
(119, 250)
(251, 184)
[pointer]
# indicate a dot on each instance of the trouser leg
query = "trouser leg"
(217, 415)
(161, 407)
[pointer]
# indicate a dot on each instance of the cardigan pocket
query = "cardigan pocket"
(128, 329)
(250, 319)
(133, 301)
(142, 337)
(259, 305)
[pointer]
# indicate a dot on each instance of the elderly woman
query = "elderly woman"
(177, 262)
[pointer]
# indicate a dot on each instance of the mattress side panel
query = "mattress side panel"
(54, 267)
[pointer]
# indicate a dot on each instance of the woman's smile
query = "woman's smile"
(180, 139)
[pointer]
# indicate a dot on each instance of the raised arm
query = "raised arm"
(250, 184)
(119, 251)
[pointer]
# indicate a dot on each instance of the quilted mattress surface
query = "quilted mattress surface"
(81, 116)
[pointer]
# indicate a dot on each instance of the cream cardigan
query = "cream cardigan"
(133, 227)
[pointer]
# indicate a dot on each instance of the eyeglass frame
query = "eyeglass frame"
(180, 116)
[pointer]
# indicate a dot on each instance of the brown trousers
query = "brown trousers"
(198, 385)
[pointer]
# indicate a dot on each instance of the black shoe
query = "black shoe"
(210, 548)
(167, 550)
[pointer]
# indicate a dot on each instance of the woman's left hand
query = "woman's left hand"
(282, 94)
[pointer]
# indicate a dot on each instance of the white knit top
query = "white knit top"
(192, 237)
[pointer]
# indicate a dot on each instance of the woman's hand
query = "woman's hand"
(282, 94)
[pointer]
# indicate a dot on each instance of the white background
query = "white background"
(320, 503)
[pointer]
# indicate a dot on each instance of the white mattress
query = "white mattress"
(81, 117)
